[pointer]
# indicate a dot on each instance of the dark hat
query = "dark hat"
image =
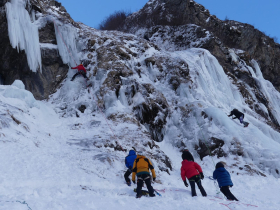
(220, 165)
(186, 155)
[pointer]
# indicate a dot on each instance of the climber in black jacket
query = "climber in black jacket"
(239, 115)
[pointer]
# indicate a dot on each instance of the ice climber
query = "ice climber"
(129, 160)
(193, 172)
(238, 115)
(141, 168)
(81, 71)
(224, 180)
(186, 155)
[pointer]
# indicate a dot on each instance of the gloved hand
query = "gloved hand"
(133, 182)
(154, 178)
(201, 175)
(186, 184)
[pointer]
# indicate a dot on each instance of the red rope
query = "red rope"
(212, 199)
(226, 205)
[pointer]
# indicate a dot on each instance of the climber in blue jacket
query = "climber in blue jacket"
(129, 160)
(224, 180)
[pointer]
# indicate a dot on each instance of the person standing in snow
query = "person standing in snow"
(141, 168)
(129, 160)
(81, 71)
(186, 155)
(224, 180)
(193, 172)
(238, 115)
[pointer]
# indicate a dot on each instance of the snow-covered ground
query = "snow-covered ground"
(49, 162)
(55, 157)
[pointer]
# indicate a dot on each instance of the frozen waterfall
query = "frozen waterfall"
(23, 33)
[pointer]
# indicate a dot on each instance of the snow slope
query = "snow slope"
(55, 156)
(54, 162)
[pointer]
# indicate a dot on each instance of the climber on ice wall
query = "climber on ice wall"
(81, 71)
(238, 115)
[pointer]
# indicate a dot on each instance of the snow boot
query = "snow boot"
(246, 125)
(144, 192)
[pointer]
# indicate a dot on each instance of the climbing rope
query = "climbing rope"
(88, 87)
(204, 139)
(17, 201)
(205, 142)
(24, 203)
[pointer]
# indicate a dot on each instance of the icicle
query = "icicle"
(23, 34)
(66, 36)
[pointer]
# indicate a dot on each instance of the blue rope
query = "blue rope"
(24, 203)
(211, 178)
(21, 202)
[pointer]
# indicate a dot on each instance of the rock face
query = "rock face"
(229, 34)
(213, 147)
(15, 65)
(178, 25)
(156, 85)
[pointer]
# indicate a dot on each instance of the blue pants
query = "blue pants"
(241, 119)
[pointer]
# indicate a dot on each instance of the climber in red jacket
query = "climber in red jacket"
(194, 173)
(81, 70)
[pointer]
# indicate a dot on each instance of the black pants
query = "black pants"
(127, 174)
(196, 179)
(225, 190)
(79, 73)
(147, 179)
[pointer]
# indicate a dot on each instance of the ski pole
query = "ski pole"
(157, 193)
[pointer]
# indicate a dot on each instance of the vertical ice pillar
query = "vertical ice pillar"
(269, 91)
(66, 36)
(23, 33)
